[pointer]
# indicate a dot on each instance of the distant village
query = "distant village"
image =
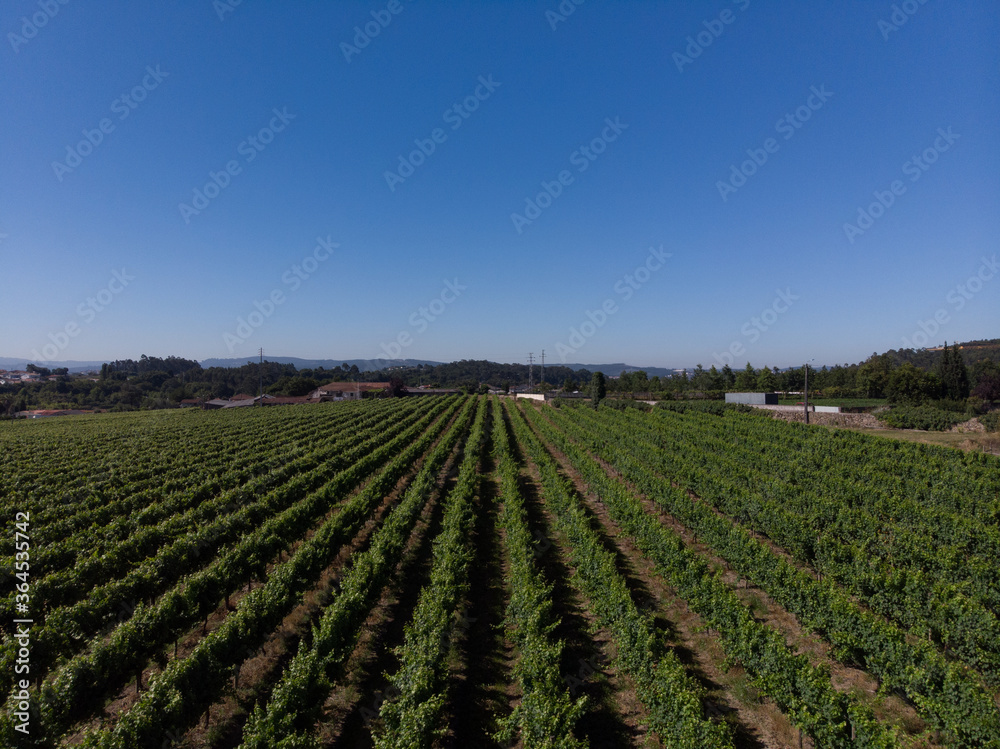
(23, 376)
(333, 391)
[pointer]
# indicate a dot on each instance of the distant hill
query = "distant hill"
(616, 369)
(365, 365)
(972, 351)
(7, 362)
(368, 365)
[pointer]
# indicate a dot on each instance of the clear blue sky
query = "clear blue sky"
(864, 98)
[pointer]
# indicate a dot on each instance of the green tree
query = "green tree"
(396, 389)
(767, 382)
(700, 379)
(728, 377)
(598, 388)
(568, 385)
(953, 373)
(715, 379)
(747, 379)
(640, 381)
(873, 375)
(985, 377)
(907, 384)
(680, 380)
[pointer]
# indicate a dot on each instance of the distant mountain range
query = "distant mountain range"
(365, 365)
(7, 362)
(618, 368)
(923, 358)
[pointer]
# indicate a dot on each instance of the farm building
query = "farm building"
(347, 390)
(42, 413)
(753, 399)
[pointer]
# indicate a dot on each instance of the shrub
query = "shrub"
(710, 407)
(991, 421)
(921, 417)
(626, 403)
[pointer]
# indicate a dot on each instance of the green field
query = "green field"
(473, 571)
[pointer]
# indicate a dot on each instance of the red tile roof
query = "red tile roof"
(354, 386)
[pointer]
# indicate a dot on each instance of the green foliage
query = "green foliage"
(991, 421)
(747, 378)
(653, 457)
(767, 380)
(546, 713)
(716, 408)
(952, 372)
(620, 404)
(411, 717)
(920, 417)
(178, 695)
(143, 523)
(672, 697)
(909, 385)
(598, 388)
(296, 702)
(872, 377)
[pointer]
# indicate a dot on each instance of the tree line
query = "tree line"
(960, 376)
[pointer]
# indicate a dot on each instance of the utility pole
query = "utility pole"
(543, 365)
(260, 375)
(806, 399)
(531, 371)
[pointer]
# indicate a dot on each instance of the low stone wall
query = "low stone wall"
(801, 409)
